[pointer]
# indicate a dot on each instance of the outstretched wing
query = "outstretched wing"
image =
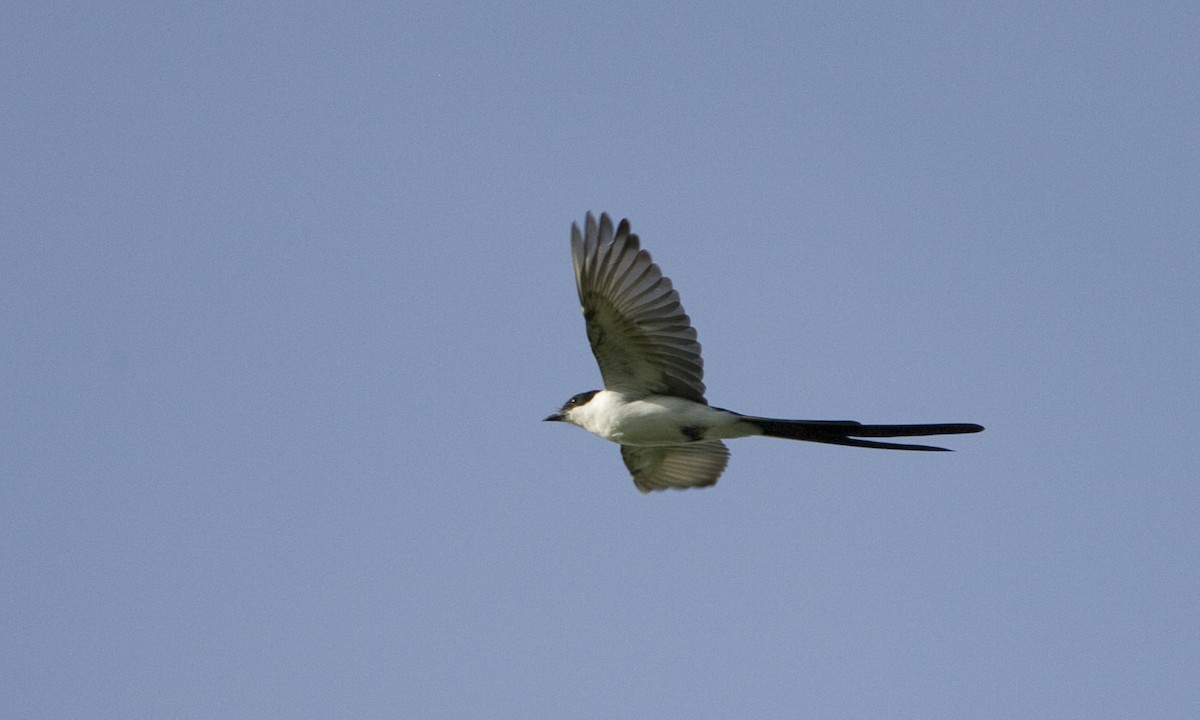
(675, 466)
(640, 335)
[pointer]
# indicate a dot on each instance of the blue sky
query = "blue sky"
(286, 291)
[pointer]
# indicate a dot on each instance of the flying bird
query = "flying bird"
(653, 402)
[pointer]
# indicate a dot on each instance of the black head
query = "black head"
(575, 401)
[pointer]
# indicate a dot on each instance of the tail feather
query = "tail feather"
(848, 432)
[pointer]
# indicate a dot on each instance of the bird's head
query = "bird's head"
(576, 402)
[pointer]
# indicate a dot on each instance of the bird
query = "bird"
(653, 401)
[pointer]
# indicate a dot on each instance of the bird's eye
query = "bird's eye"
(581, 398)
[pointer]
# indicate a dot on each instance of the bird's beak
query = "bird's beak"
(556, 417)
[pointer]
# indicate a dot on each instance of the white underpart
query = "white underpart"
(656, 420)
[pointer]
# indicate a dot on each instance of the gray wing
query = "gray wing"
(640, 335)
(675, 466)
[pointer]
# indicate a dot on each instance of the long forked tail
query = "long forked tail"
(848, 432)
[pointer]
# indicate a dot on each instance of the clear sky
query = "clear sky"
(285, 292)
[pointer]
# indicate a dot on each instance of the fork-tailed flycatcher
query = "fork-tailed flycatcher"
(653, 401)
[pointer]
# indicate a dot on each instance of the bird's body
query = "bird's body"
(653, 401)
(657, 420)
